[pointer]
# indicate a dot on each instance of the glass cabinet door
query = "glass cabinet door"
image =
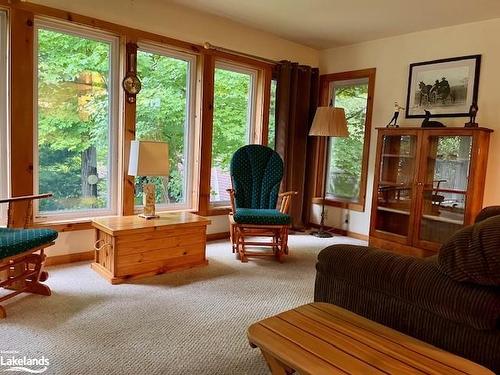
(395, 184)
(445, 186)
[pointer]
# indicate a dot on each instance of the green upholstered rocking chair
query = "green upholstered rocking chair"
(256, 174)
(22, 251)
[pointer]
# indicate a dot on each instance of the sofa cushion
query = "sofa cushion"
(473, 253)
(415, 281)
(17, 241)
(261, 216)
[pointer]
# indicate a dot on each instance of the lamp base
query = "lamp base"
(321, 234)
(149, 217)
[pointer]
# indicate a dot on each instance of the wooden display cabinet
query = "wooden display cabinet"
(429, 183)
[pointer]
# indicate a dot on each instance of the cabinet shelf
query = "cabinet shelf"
(443, 219)
(393, 210)
(398, 156)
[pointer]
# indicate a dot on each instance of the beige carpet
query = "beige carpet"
(191, 322)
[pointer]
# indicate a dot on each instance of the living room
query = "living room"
(224, 187)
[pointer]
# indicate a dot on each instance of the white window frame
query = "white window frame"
(189, 128)
(252, 108)
(114, 118)
(4, 113)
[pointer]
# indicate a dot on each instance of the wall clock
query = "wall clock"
(131, 83)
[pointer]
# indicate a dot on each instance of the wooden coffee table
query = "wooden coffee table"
(320, 338)
(129, 247)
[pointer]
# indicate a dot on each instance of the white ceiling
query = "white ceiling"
(331, 23)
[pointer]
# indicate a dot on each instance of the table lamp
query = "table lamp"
(148, 158)
(328, 122)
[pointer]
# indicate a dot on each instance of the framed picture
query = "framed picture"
(446, 87)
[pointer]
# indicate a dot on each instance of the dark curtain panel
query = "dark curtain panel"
(296, 101)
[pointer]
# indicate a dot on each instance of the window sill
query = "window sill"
(65, 225)
(354, 206)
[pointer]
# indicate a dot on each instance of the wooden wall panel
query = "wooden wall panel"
(207, 115)
(22, 135)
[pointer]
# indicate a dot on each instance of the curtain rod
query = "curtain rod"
(209, 46)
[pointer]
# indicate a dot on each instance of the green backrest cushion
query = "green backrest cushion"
(256, 173)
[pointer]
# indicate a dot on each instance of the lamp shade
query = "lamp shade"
(329, 122)
(148, 158)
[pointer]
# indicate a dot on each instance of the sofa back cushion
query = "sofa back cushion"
(473, 253)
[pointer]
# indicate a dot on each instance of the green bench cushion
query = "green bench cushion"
(17, 241)
(261, 216)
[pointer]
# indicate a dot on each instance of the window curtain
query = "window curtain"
(296, 102)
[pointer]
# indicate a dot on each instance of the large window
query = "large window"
(347, 157)
(165, 113)
(233, 123)
(4, 163)
(75, 153)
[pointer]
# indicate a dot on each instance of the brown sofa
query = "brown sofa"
(442, 300)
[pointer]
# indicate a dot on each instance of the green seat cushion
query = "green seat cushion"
(17, 241)
(261, 216)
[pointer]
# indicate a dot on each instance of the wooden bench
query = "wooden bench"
(320, 338)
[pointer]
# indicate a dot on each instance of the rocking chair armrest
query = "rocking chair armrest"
(286, 197)
(287, 193)
(26, 198)
(231, 196)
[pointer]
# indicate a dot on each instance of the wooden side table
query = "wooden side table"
(320, 338)
(129, 247)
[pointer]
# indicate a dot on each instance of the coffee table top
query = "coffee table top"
(114, 225)
(320, 338)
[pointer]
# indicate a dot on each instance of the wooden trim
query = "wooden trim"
(265, 99)
(132, 33)
(339, 203)
(217, 236)
(216, 211)
(69, 258)
(239, 60)
(128, 187)
(65, 225)
(207, 118)
(22, 97)
(322, 144)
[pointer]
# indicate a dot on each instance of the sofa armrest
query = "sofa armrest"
(414, 280)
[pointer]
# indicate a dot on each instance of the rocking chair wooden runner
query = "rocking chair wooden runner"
(256, 174)
(22, 251)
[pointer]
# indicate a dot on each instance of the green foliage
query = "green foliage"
(346, 154)
(162, 115)
(73, 116)
(231, 115)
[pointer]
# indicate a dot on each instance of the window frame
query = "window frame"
(4, 112)
(115, 99)
(326, 82)
(253, 133)
(190, 136)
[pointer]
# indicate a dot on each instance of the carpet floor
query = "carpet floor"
(189, 322)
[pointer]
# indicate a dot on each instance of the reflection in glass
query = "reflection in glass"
(445, 188)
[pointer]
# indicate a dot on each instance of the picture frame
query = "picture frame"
(445, 87)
